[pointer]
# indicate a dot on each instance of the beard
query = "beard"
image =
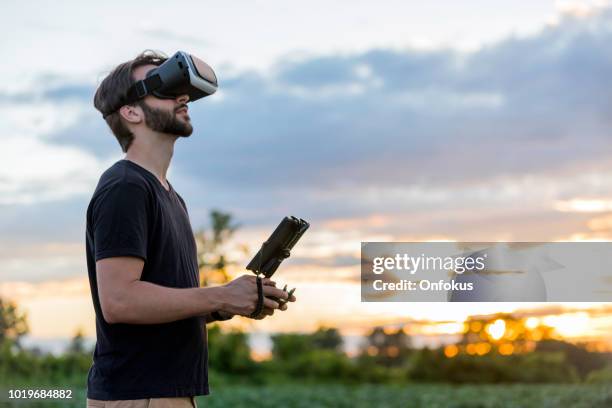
(163, 121)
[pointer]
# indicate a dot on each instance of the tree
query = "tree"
(286, 346)
(583, 360)
(229, 352)
(327, 339)
(212, 246)
(388, 346)
(77, 344)
(13, 324)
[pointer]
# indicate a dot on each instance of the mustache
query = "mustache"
(180, 107)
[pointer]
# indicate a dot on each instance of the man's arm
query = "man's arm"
(124, 298)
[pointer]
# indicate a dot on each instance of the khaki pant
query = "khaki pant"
(183, 402)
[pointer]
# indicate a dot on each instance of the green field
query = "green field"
(426, 396)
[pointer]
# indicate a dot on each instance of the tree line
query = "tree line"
(385, 356)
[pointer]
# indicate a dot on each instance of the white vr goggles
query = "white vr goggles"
(181, 74)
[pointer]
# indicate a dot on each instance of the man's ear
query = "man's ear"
(131, 113)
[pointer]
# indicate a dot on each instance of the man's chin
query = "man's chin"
(186, 133)
(189, 131)
(186, 128)
(180, 131)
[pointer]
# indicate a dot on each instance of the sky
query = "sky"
(375, 121)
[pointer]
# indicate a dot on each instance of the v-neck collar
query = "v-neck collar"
(167, 190)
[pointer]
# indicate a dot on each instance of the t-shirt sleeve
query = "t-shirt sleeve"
(120, 222)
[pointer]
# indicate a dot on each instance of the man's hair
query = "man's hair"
(114, 88)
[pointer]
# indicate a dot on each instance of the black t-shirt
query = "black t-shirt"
(132, 214)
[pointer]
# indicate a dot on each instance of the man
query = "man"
(151, 314)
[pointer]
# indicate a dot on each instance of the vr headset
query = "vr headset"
(181, 74)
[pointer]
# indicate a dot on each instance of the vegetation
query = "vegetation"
(212, 248)
(312, 370)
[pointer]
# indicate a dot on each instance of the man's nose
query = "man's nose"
(182, 98)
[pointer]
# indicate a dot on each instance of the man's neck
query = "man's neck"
(155, 156)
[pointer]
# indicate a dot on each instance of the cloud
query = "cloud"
(520, 107)
(34, 171)
(398, 117)
(434, 133)
(157, 33)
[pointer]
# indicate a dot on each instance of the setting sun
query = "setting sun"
(497, 329)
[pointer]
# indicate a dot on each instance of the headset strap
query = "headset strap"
(143, 88)
(138, 90)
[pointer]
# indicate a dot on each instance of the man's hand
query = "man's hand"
(241, 297)
(269, 312)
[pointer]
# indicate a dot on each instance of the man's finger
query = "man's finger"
(269, 303)
(275, 292)
(268, 282)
